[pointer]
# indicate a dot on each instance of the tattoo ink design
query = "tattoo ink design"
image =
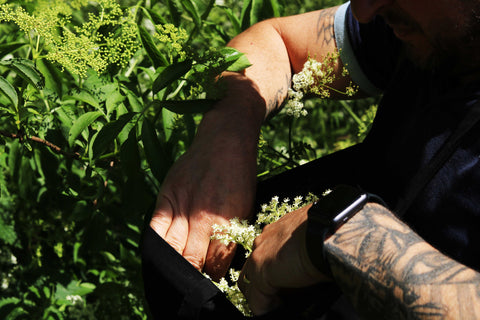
(325, 21)
(280, 95)
(389, 272)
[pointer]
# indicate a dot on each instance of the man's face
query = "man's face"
(435, 32)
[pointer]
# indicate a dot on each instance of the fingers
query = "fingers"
(219, 258)
(162, 216)
(261, 299)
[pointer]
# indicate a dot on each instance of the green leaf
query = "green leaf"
(9, 91)
(135, 103)
(108, 133)
(168, 121)
(74, 288)
(192, 10)
(26, 69)
(175, 12)
(53, 77)
(86, 97)
(81, 124)
(129, 155)
(153, 53)
(170, 74)
(235, 21)
(236, 60)
(6, 48)
(186, 106)
(153, 16)
(114, 98)
(8, 234)
(154, 152)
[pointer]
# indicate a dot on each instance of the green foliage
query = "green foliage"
(97, 100)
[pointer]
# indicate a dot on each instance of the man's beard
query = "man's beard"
(457, 56)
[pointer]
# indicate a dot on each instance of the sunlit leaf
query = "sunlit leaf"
(81, 124)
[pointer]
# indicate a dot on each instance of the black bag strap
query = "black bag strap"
(423, 177)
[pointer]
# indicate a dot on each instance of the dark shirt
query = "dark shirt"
(417, 113)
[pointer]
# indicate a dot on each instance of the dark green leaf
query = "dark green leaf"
(108, 133)
(6, 48)
(170, 74)
(153, 53)
(129, 155)
(192, 10)
(153, 16)
(155, 153)
(25, 69)
(53, 76)
(81, 124)
(187, 106)
(175, 12)
(86, 97)
(9, 91)
(135, 103)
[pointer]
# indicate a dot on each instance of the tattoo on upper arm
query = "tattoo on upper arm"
(325, 34)
(387, 269)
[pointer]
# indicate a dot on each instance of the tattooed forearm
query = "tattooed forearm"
(325, 20)
(389, 272)
(279, 96)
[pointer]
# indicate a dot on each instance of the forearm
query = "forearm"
(389, 272)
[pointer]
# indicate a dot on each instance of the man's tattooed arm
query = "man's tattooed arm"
(389, 272)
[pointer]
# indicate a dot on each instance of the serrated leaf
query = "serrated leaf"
(186, 106)
(9, 91)
(153, 53)
(154, 152)
(170, 74)
(81, 124)
(86, 97)
(26, 69)
(109, 133)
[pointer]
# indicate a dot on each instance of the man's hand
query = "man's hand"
(279, 260)
(212, 182)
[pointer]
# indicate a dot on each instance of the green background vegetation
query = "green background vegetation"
(88, 130)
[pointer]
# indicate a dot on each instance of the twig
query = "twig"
(38, 140)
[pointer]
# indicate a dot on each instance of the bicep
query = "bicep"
(312, 35)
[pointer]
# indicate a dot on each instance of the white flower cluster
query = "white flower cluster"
(244, 234)
(301, 84)
(233, 293)
(74, 299)
(315, 78)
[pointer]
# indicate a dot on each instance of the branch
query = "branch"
(52, 146)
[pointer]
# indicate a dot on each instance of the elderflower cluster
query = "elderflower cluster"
(173, 38)
(233, 293)
(244, 234)
(315, 78)
(78, 47)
